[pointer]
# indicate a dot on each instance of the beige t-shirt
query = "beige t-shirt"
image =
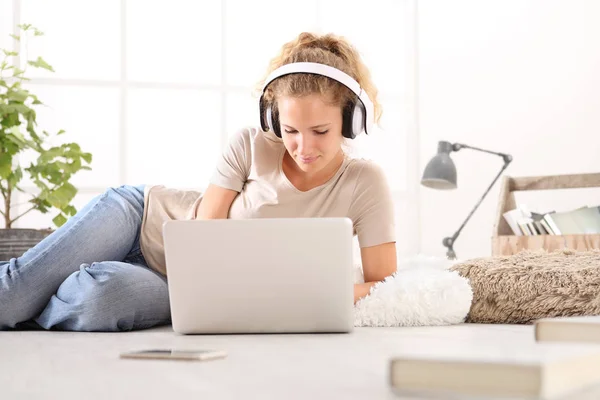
(252, 166)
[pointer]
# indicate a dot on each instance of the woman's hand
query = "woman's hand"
(362, 289)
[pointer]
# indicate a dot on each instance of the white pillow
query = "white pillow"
(423, 292)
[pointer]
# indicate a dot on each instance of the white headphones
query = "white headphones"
(356, 116)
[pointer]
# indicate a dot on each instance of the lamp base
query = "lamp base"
(450, 254)
(449, 244)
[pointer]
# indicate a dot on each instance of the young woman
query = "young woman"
(104, 270)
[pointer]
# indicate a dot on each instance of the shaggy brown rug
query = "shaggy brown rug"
(523, 287)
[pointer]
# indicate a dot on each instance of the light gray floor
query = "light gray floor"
(345, 366)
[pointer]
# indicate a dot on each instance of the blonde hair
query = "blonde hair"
(329, 49)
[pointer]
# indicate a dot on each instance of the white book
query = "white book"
(553, 226)
(585, 329)
(511, 218)
(547, 227)
(524, 223)
(532, 371)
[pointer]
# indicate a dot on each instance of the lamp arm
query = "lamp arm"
(449, 241)
(458, 146)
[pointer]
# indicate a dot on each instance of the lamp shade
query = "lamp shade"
(440, 172)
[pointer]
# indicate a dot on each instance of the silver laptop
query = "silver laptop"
(289, 275)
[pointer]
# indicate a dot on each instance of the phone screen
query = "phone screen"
(176, 354)
(174, 351)
(155, 351)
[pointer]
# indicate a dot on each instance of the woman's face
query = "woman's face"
(311, 129)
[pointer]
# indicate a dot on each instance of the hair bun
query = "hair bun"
(327, 43)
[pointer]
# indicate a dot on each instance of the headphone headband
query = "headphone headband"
(330, 72)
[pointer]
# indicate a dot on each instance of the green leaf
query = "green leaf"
(18, 96)
(55, 176)
(61, 165)
(61, 132)
(74, 166)
(73, 147)
(15, 177)
(15, 141)
(40, 204)
(40, 63)
(10, 118)
(10, 53)
(36, 100)
(50, 154)
(31, 123)
(87, 157)
(59, 220)
(13, 146)
(5, 165)
(16, 37)
(18, 108)
(62, 196)
(70, 210)
(16, 132)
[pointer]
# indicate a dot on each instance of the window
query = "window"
(154, 89)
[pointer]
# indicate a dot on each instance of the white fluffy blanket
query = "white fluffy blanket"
(423, 292)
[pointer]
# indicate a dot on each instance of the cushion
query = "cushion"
(423, 292)
(521, 288)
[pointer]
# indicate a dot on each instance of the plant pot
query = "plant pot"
(15, 242)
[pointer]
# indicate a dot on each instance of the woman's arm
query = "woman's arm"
(215, 203)
(378, 262)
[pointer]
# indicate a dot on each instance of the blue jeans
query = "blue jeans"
(88, 275)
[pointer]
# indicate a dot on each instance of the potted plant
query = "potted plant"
(53, 166)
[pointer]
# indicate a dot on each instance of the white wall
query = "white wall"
(514, 76)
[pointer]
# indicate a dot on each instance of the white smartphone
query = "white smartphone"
(185, 355)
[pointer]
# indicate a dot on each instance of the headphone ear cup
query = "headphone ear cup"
(347, 121)
(264, 124)
(352, 120)
(268, 118)
(358, 119)
(273, 121)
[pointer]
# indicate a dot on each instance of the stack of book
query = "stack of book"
(584, 220)
(564, 363)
